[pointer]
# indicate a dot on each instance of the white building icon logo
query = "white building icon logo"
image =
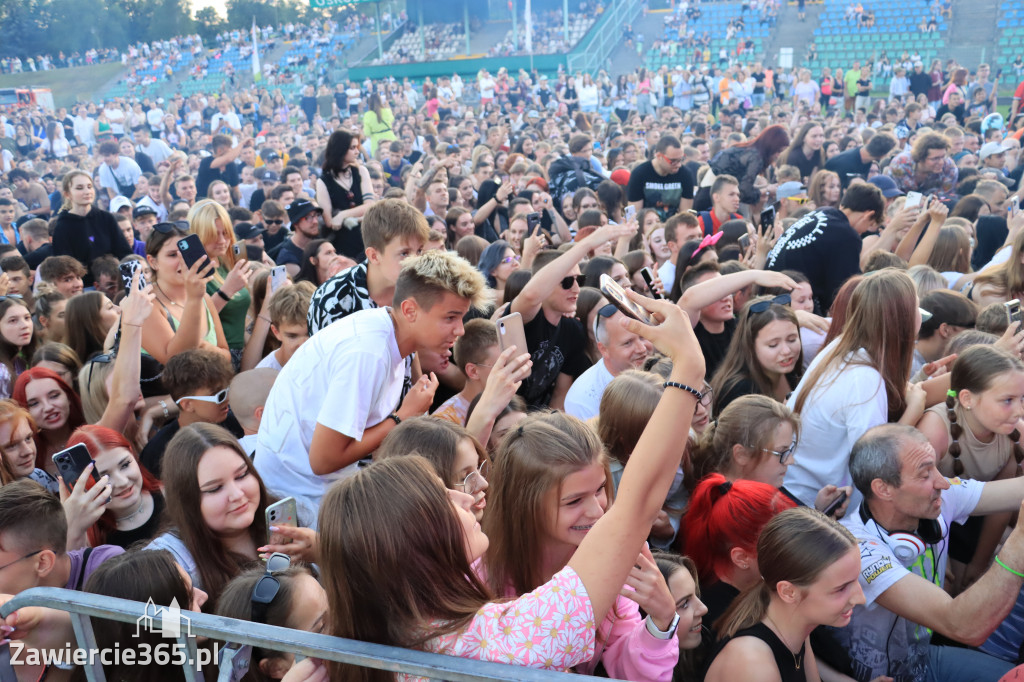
(165, 620)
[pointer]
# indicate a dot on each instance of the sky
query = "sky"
(218, 5)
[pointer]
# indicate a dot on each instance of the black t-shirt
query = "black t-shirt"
(145, 532)
(848, 165)
(153, 454)
(806, 165)
(714, 346)
(717, 597)
(824, 247)
(660, 192)
(554, 350)
(288, 252)
(758, 83)
(863, 87)
(957, 111)
(256, 200)
(207, 174)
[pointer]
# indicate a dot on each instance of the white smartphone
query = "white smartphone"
(913, 200)
(278, 276)
(282, 513)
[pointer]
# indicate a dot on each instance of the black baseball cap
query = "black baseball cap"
(143, 209)
(300, 208)
(246, 230)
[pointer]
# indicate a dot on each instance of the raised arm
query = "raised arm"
(717, 288)
(124, 384)
(937, 217)
(652, 466)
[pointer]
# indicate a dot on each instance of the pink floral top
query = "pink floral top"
(552, 627)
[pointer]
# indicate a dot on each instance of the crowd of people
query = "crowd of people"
(780, 331)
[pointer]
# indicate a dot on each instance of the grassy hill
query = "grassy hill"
(68, 85)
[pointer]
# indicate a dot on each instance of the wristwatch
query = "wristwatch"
(395, 418)
(658, 634)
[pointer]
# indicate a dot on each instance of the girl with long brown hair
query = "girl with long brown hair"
(809, 577)
(858, 381)
(216, 504)
(397, 548)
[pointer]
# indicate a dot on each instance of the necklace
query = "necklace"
(130, 517)
(798, 659)
(169, 299)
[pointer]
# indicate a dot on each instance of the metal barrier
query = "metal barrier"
(595, 48)
(82, 606)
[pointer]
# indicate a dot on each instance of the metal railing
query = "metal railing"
(595, 47)
(239, 633)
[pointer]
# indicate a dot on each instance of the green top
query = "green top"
(378, 129)
(232, 315)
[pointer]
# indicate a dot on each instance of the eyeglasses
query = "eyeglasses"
(476, 480)
(799, 200)
(217, 398)
(567, 282)
(670, 161)
(30, 554)
(510, 259)
(99, 359)
(268, 586)
(707, 396)
(167, 228)
(761, 306)
(785, 456)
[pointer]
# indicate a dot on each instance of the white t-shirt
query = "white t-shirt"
(270, 362)
(225, 123)
(487, 88)
(116, 117)
(838, 410)
(161, 212)
(347, 377)
(155, 119)
(127, 173)
(667, 275)
(157, 150)
(879, 642)
(588, 95)
(583, 400)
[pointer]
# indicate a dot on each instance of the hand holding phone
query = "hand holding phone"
(282, 513)
(648, 277)
(72, 462)
(278, 277)
(128, 270)
(617, 296)
(192, 250)
(532, 223)
(768, 220)
(511, 333)
(913, 200)
(1013, 313)
(830, 510)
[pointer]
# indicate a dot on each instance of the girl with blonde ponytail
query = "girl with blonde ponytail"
(809, 568)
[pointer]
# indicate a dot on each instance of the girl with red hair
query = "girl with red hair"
(746, 162)
(18, 447)
(56, 409)
(136, 503)
(720, 533)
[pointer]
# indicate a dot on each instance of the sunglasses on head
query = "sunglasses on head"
(761, 306)
(568, 281)
(217, 398)
(167, 228)
(267, 587)
(104, 359)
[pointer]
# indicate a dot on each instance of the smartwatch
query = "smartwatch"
(659, 634)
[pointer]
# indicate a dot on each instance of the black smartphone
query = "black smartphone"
(649, 279)
(71, 464)
(768, 220)
(532, 223)
(834, 504)
(192, 250)
(128, 269)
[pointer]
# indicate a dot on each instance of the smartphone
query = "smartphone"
(511, 333)
(768, 220)
(278, 276)
(617, 295)
(254, 253)
(128, 269)
(236, 248)
(532, 223)
(630, 213)
(1014, 205)
(192, 250)
(649, 280)
(744, 241)
(71, 464)
(1013, 312)
(913, 200)
(833, 505)
(282, 513)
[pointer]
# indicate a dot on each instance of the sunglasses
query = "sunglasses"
(799, 200)
(510, 259)
(273, 222)
(761, 306)
(167, 228)
(217, 398)
(567, 282)
(104, 359)
(268, 586)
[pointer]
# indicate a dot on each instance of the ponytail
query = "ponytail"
(746, 610)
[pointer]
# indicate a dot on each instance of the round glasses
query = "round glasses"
(785, 456)
(475, 481)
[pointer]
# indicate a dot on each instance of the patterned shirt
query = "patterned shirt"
(942, 184)
(552, 627)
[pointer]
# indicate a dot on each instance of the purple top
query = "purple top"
(97, 556)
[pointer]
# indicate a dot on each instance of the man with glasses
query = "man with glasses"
(663, 183)
(825, 244)
(927, 168)
(198, 382)
(620, 350)
(555, 338)
(792, 197)
(902, 527)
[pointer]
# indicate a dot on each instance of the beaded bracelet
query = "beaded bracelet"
(1016, 573)
(689, 389)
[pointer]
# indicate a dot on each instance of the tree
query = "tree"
(209, 24)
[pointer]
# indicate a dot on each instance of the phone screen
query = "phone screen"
(617, 295)
(649, 280)
(768, 220)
